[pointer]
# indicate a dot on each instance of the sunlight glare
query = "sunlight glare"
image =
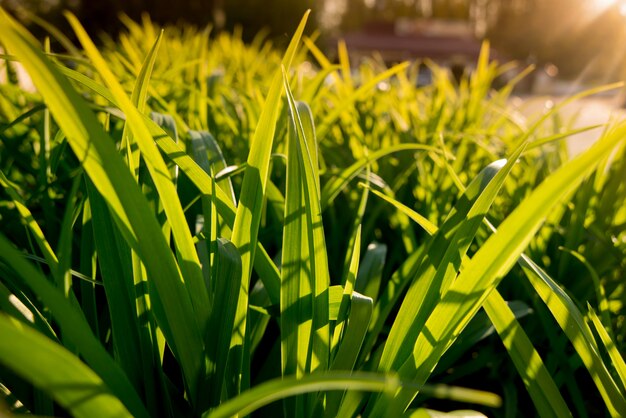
(602, 4)
(597, 7)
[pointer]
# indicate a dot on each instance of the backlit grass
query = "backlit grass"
(193, 226)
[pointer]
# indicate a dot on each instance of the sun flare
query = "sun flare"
(600, 6)
(603, 4)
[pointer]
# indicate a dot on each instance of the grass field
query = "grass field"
(194, 226)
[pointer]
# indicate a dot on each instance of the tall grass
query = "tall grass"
(193, 226)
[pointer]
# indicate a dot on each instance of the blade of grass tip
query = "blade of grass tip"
(138, 98)
(494, 259)
(355, 233)
(263, 264)
(309, 178)
(370, 275)
(107, 170)
(29, 221)
(57, 371)
(248, 217)
(21, 118)
(444, 255)
(334, 186)
(87, 264)
(557, 108)
(190, 264)
(348, 349)
(190, 267)
(64, 247)
(428, 226)
(557, 137)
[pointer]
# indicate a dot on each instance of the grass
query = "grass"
(193, 226)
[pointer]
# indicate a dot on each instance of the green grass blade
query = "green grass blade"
(75, 328)
(351, 342)
(609, 345)
(189, 264)
(414, 216)
(57, 371)
(277, 389)
(138, 98)
(361, 92)
(247, 220)
(445, 252)
(114, 259)
(354, 332)
(207, 144)
(348, 290)
(542, 389)
(573, 324)
(106, 169)
(368, 281)
(222, 320)
(333, 187)
(262, 263)
(485, 270)
(29, 221)
(603, 303)
(306, 153)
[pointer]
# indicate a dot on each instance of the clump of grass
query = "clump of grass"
(197, 227)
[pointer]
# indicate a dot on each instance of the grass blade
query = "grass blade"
(109, 174)
(247, 220)
(57, 371)
(542, 389)
(484, 271)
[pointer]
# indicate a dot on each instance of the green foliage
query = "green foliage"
(193, 226)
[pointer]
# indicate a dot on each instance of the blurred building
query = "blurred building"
(446, 42)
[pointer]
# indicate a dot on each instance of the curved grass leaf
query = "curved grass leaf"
(493, 260)
(542, 389)
(262, 262)
(573, 324)
(333, 187)
(129, 207)
(445, 252)
(305, 279)
(248, 217)
(75, 328)
(55, 370)
(609, 345)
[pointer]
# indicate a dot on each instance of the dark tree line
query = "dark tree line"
(279, 16)
(568, 33)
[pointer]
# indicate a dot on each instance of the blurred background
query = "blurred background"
(572, 40)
